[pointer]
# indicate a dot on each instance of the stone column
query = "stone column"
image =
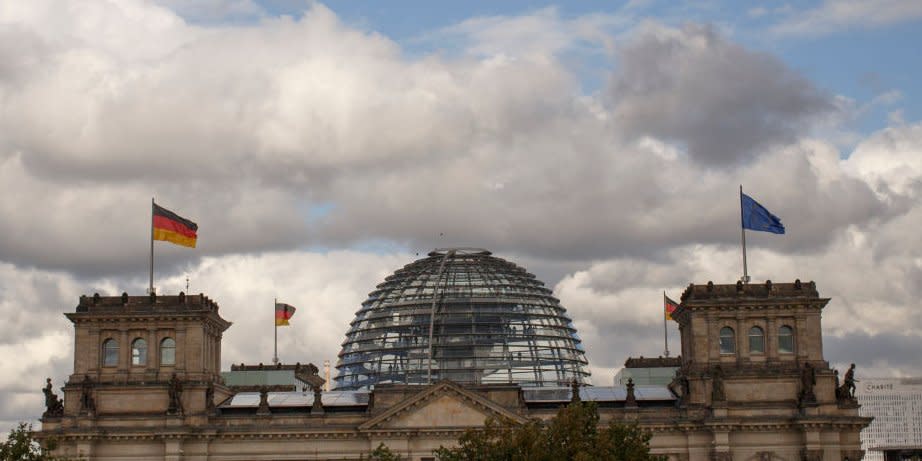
(172, 449)
(181, 349)
(801, 343)
(93, 359)
(124, 352)
(85, 449)
(152, 348)
(771, 339)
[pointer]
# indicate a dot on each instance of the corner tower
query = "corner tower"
(752, 363)
(143, 355)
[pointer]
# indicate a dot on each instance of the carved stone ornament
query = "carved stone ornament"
(263, 408)
(807, 382)
(574, 391)
(209, 398)
(630, 400)
(174, 390)
(87, 403)
(717, 385)
(53, 406)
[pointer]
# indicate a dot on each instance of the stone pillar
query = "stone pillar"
(152, 348)
(181, 351)
(124, 352)
(801, 343)
(172, 449)
(93, 358)
(721, 446)
(84, 449)
(771, 339)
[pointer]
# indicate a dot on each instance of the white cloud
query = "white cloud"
(891, 161)
(837, 15)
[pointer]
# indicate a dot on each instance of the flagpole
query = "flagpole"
(665, 330)
(151, 290)
(275, 354)
(745, 278)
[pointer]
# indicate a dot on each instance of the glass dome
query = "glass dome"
(494, 323)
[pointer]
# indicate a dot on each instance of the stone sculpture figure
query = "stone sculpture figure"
(263, 408)
(209, 398)
(53, 406)
(717, 390)
(174, 388)
(807, 381)
(574, 391)
(631, 399)
(87, 404)
(850, 381)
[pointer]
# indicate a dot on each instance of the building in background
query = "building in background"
(751, 383)
(645, 371)
(896, 406)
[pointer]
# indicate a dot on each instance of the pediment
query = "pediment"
(444, 405)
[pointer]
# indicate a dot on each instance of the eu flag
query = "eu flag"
(757, 218)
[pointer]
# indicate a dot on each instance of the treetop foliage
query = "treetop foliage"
(573, 434)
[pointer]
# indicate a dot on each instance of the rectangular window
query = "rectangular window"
(756, 344)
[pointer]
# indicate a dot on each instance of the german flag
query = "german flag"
(283, 312)
(171, 227)
(670, 306)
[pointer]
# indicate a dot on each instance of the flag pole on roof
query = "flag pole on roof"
(755, 217)
(669, 306)
(283, 313)
(170, 227)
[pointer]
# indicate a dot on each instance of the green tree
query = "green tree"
(383, 453)
(573, 434)
(20, 445)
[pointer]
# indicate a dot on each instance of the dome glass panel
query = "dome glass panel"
(493, 322)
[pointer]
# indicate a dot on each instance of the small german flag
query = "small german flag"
(171, 227)
(670, 306)
(283, 312)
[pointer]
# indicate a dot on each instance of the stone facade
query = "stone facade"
(737, 395)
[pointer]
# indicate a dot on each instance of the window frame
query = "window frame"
(731, 350)
(790, 337)
(138, 354)
(761, 337)
(110, 349)
(172, 348)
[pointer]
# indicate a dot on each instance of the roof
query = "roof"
(537, 395)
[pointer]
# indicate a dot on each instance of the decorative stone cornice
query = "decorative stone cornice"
(436, 390)
(118, 309)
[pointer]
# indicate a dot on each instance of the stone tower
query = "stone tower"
(756, 351)
(153, 358)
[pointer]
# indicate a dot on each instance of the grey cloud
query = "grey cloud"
(898, 351)
(247, 137)
(724, 103)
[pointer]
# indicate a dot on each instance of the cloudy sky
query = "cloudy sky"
(321, 146)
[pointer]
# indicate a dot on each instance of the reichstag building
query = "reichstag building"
(437, 347)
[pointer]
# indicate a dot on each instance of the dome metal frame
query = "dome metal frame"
(464, 315)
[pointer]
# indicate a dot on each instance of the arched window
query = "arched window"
(727, 341)
(110, 353)
(756, 341)
(168, 351)
(786, 340)
(139, 352)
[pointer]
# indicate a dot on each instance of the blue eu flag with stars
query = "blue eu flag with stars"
(757, 218)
